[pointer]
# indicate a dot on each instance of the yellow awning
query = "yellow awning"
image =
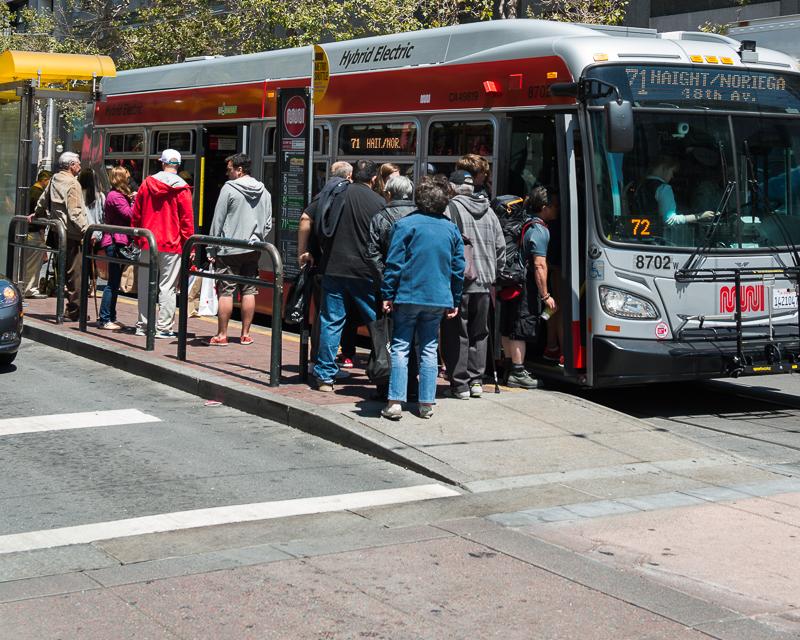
(54, 67)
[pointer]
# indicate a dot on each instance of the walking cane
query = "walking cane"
(493, 338)
(93, 267)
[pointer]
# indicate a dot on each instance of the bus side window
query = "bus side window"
(533, 153)
(126, 149)
(450, 140)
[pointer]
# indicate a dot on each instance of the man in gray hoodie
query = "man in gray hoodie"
(243, 212)
(465, 337)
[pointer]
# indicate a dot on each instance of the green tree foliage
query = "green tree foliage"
(162, 33)
(585, 11)
(30, 30)
(37, 31)
(262, 25)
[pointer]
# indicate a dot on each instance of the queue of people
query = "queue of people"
(163, 205)
(430, 257)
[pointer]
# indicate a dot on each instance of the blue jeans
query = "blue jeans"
(410, 320)
(108, 307)
(332, 316)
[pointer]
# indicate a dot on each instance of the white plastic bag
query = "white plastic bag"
(95, 214)
(208, 298)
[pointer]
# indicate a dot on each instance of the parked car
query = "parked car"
(10, 321)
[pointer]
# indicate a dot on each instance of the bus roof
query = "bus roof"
(578, 45)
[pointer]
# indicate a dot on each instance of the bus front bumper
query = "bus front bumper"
(628, 361)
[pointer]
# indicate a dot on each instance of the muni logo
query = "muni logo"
(752, 298)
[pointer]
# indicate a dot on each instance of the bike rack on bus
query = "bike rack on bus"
(737, 277)
(15, 258)
(152, 273)
(276, 284)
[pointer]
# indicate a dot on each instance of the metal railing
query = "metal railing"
(277, 293)
(15, 258)
(152, 273)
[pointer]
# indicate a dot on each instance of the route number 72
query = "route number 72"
(641, 226)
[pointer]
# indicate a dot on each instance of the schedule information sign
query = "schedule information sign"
(294, 150)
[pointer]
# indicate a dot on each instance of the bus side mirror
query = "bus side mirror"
(619, 126)
(564, 89)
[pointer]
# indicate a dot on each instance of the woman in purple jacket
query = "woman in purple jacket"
(117, 211)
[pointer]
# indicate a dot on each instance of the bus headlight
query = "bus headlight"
(621, 304)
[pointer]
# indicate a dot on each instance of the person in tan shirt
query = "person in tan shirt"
(33, 258)
(63, 200)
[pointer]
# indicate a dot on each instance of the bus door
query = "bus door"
(218, 142)
(543, 148)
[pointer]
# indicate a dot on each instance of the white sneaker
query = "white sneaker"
(475, 390)
(459, 395)
(425, 411)
(140, 331)
(392, 411)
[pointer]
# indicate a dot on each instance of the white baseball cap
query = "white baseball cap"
(170, 156)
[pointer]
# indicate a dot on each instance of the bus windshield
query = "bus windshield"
(686, 166)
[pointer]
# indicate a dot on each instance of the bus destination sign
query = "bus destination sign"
(700, 86)
(392, 139)
(715, 85)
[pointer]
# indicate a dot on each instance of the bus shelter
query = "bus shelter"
(25, 77)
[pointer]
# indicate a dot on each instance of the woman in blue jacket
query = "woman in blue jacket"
(422, 281)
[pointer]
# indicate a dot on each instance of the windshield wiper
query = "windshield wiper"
(722, 205)
(718, 213)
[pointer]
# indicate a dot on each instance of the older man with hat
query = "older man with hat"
(63, 200)
(465, 337)
(164, 206)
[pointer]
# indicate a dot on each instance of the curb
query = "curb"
(317, 421)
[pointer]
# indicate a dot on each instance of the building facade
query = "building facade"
(689, 15)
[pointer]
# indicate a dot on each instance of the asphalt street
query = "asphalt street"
(757, 416)
(196, 456)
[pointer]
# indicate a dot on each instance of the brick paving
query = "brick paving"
(245, 364)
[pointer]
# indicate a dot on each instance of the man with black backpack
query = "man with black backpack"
(309, 247)
(326, 205)
(522, 286)
(348, 274)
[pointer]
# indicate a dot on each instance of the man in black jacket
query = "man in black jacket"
(310, 250)
(348, 272)
(401, 192)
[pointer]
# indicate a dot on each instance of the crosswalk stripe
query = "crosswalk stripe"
(61, 421)
(87, 533)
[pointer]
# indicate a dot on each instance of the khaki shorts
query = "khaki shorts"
(238, 264)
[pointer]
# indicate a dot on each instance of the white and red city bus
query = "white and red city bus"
(642, 300)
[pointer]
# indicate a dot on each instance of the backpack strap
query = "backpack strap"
(528, 224)
(455, 216)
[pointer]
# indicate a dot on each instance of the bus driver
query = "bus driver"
(654, 193)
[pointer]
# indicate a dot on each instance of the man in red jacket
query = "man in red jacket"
(164, 206)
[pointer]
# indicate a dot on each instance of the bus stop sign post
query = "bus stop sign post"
(293, 177)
